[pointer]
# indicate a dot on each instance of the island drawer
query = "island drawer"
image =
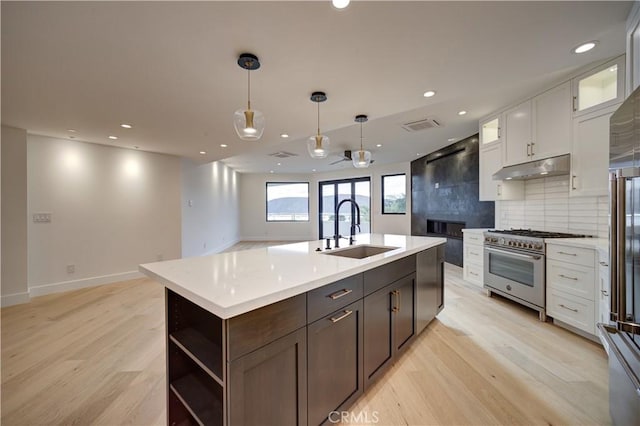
(250, 331)
(375, 279)
(331, 297)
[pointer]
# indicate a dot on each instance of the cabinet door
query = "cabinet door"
(599, 88)
(490, 130)
(590, 154)
(428, 286)
(404, 312)
(553, 122)
(518, 134)
(378, 345)
(335, 345)
(492, 190)
(269, 385)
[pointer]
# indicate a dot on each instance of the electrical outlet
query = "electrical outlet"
(437, 185)
(42, 218)
(71, 269)
(190, 203)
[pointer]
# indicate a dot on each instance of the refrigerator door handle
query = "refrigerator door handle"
(621, 210)
(613, 247)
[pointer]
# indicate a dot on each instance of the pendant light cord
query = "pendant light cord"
(318, 118)
(361, 136)
(249, 89)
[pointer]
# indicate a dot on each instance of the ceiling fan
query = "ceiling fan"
(347, 157)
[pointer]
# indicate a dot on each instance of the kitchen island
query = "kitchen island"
(290, 334)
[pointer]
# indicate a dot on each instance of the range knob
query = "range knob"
(530, 245)
(510, 243)
(538, 246)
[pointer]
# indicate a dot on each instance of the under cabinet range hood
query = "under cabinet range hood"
(554, 166)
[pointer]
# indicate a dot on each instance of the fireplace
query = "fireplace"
(443, 228)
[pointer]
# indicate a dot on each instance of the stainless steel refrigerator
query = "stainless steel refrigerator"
(621, 337)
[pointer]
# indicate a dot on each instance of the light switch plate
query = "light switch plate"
(42, 217)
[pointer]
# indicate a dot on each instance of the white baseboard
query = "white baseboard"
(14, 299)
(41, 290)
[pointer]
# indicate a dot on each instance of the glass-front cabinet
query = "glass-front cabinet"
(490, 130)
(599, 88)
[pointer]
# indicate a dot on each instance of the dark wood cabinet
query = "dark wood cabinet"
(269, 386)
(295, 361)
(389, 325)
(335, 356)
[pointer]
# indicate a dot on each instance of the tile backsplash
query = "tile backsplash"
(548, 207)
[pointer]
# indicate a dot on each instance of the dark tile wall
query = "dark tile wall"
(454, 170)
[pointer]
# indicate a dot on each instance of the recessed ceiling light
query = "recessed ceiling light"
(71, 130)
(379, 145)
(203, 152)
(418, 154)
(509, 178)
(585, 47)
(544, 173)
(223, 145)
(313, 170)
(340, 4)
(113, 137)
(284, 135)
(279, 164)
(270, 171)
(125, 126)
(451, 139)
(463, 112)
(429, 93)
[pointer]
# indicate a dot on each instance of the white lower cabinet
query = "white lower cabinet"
(473, 256)
(571, 286)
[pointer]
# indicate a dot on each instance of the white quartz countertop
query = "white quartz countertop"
(233, 283)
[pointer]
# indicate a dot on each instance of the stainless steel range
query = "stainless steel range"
(514, 265)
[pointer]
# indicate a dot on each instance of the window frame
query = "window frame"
(382, 193)
(266, 201)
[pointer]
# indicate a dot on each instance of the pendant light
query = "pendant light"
(362, 158)
(318, 145)
(249, 124)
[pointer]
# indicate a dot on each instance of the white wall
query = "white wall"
(253, 224)
(253, 210)
(13, 287)
(111, 208)
(548, 207)
(210, 208)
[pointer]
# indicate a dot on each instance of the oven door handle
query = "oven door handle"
(512, 254)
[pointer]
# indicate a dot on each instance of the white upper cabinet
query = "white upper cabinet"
(491, 130)
(599, 88)
(492, 190)
(518, 134)
(590, 154)
(552, 120)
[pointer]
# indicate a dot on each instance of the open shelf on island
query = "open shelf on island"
(199, 399)
(205, 353)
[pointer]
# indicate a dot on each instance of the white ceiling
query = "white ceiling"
(169, 69)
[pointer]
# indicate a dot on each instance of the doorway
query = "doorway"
(331, 193)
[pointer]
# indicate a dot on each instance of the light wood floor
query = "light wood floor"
(96, 356)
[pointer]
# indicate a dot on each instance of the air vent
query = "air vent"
(416, 126)
(283, 154)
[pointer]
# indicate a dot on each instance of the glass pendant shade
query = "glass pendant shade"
(249, 124)
(361, 159)
(318, 146)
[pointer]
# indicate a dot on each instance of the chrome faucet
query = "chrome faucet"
(353, 225)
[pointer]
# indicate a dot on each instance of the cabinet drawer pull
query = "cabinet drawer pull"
(474, 253)
(499, 190)
(499, 132)
(604, 263)
(568, 277)
(528, 150)
(473, 238)
(532, 153)
(567, 254)
(341, 317)
(473, 273)
(566, 307)
(573, 182)
(339, 294)
(604, 292)
(575, 98)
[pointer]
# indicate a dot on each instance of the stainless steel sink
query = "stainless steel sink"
(359, 252)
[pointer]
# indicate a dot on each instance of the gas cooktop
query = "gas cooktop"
(535, 234)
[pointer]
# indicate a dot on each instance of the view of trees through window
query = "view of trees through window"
(394, 197)
(287, 201)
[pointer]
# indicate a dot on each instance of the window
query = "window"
(287, 201)
(394, 197)
(330, 195)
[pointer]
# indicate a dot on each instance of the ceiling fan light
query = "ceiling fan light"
(340, 4)
(249, 124)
